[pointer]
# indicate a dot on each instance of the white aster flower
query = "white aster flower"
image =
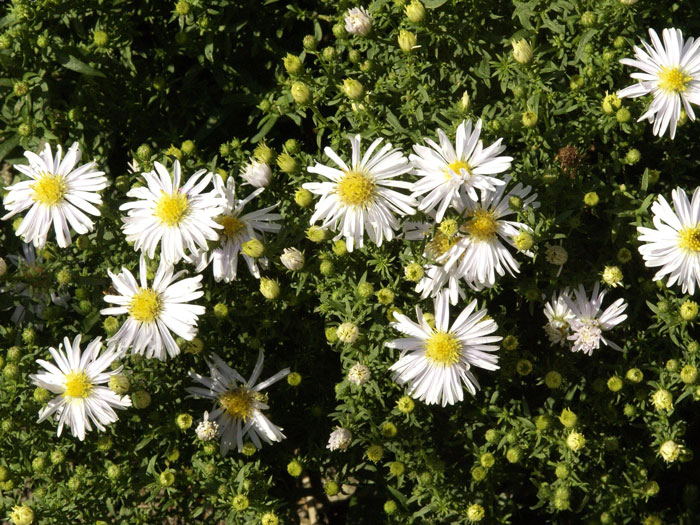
(455, 173)
(559, 317)
(207, 430)
(153, 312)
(358, 21)
(671, 73)
(339, 439)
(78, 380)
(238, 228)
(177, 218)
(257, 174)
(358, 198)
(674, 242)
(435, 362)
(56, 194)
(437, 279)
(358, 374)
(238, 404)
(481, 253)
(588, 324)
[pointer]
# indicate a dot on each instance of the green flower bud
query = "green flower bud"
(309, 42)
(5, 41)
(301, 93)
(14, 353)
(689, 374)
(413, 272)
(327, 268)
(294, 468)
(662, 400)
(41, 395)
(286, 163)
(328, 53)
(561, 471)
(187, 147)
(689, 310)
(183, 421)
(352, 89)
(591, 199)
(514, 455)
(64, 276)
(389, 430)
(523, 241)
(672, 365)
(100, 38)
(529, 119)
(588, 18)
(240, 502)
(396, 468)
(354, 56)
(568, 418)
(390, 507)
(478, 473)
(220, 311)
(11, 371)
(623, 115)
(629, 410)
(633, 156)
(615, 384)
(523, 367)
(634, 375)
(407, 41)
(487, 460)
(475, 513)
(22, 515)
(575, 441)
(182, 8)
(331, 488)
(29, 336)
(415, 12)
(385, 296)
(611, 103)
(253, 248)
(303, 197)
(405, 405)
(269, 288)
(522, 51)
(119, 384)
(140, 399)
(24, 130)
(20, 89)
(293, 64)
(57, 457)
(316, 234)
(552, 379)
(166, 478)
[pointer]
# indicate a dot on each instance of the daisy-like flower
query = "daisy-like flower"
(481, 254)
(358, 21)
(674, 242)
(671, 73)
(359, 198)
(238, 404)
(437, 361)
(449, 173)
(154, 311)
(588, 324)
(79, 380)
(237, 228)
(559, 317)
(56, 194)
(177, 218)
(340, 439)
(257, 174)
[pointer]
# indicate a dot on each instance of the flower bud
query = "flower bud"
(523, 241)
(141, 399)
(529, 119)
(385, 296)
(183, 421)
(591, 199)
(522, 51)
(357, 22)
(22, 515)
(303, 197)
(405, 405)
(292, 259)
(309, 42)
(615, 384)
(464, 102)
(413, 272)
(487, 460)
(662, 400)
(293, 64)
(352, 89)
(119, 384)
(568, 418)
(407, 41)
(415, 12)
(475, 513)
(689, 310)
(634, 375)
(257, 174)
(348, 332)
(316, 234)
(390, 507)
(301, 93)
(689, 374)
(397, 468)
(374, 453)
(612, 276)
(633, 156)
(286, 163)
(253, 248)
(331, 488)
(552, 379)
(575, 441)
(269, 288)
(187, 147)
(611, 103)
(326, 268)
(623, 115)
(670, 450)
(166, 478)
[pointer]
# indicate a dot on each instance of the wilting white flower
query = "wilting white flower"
(78, 380)
(559, 317)
(358, 374)
(674, 242)
(347, 332)
(257, 174)
(436, 362)
(292, 259)
(238, 404)
(207, 430)
(671, 73)
(339, 439)
(588, 324)
(56, 194)
(358, 21)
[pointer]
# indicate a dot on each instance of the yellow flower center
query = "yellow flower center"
(673, 80)
(483, 225)
(238, 403)
(145, 305)
(457, 167)
(689, 238)
(49, 189)
(171, 208)
(356, 189)
(77, 385)
(442, 348)
(232, 225)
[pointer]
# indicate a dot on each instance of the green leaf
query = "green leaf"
(8, 145)
(434, 4)
(74, 64)
(582, 43)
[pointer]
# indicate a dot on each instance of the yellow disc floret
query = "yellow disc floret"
(442, 348)
(356, 189)
(483, 225)
(673, 80)
(145, 305)
(77, 385)
(440, 244)
(49, 189)
(456, 168)
(689, 238)
(171, 208)
(237, 403)
(232, 225)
